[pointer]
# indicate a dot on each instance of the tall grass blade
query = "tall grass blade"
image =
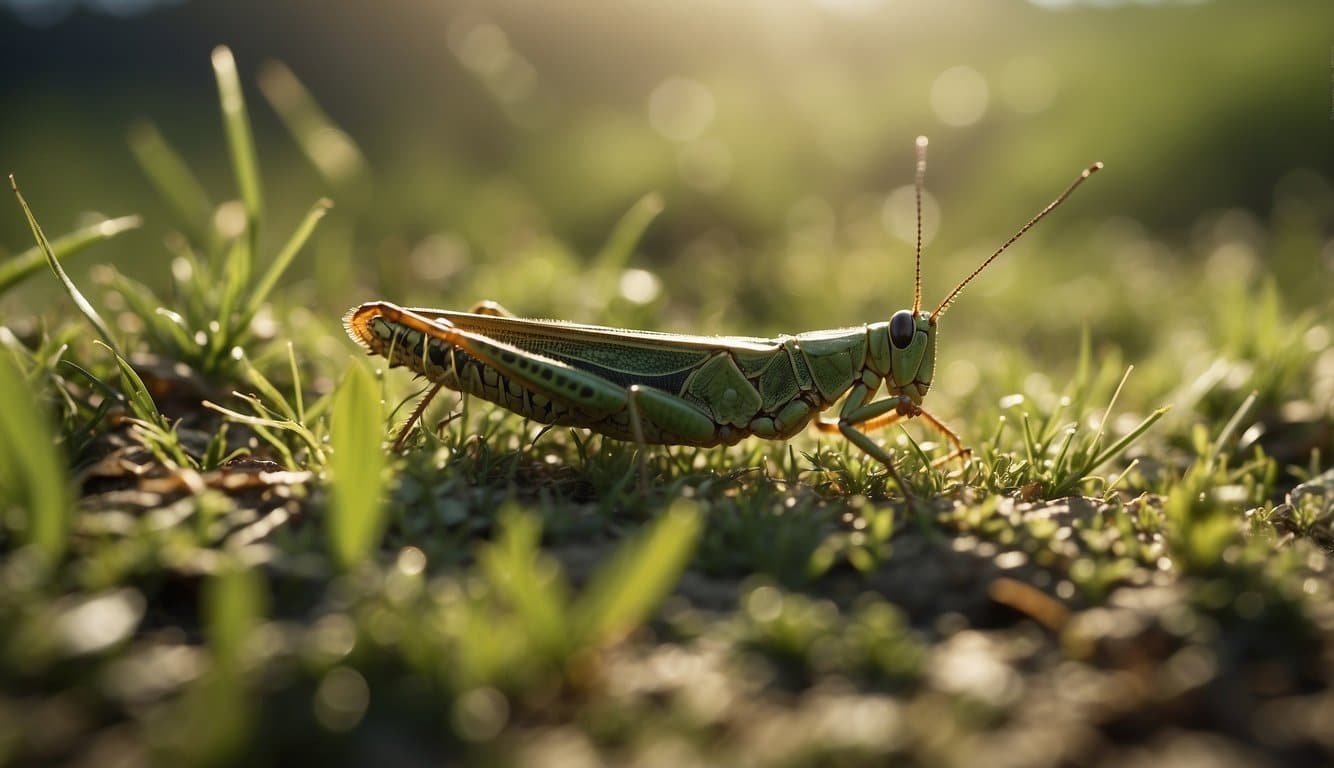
(299, 400)
(79, 301)
(1119, 447)
(31, 260)
(285, 256)
(219, 711)
(628, 232)
(334, 154)
(1231, 428)
(236, 274)
(357, 515)
(32, 470)
(624, 592)
(531, 583)
(240, 141)
(175, 183)
(235, 603)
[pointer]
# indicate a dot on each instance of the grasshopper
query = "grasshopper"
(674, 389)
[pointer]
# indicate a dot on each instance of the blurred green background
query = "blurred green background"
(503, 141)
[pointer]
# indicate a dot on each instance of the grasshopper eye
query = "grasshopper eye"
(901, 329)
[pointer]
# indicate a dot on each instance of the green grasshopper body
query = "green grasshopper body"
(664, 388)
(690, 390)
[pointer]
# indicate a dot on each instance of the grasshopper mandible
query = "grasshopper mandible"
(673, 389)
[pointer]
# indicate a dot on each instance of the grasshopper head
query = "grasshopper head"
(912, 352)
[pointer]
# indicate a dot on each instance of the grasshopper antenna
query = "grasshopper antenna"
(921, 181)
(940, 310)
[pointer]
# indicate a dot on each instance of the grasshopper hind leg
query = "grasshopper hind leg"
(416, 415)
(637, 429)
(489, 307)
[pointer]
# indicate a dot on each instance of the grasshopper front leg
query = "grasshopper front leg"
(909, 410)
(859, 414)
(857, 411)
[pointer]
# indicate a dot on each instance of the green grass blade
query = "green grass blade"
(166, 327)
(264, 426)
(240, 140)
(171, 326)
(266, 388)
(627, 233)
(1031, 447)
(531, 583)
(1199, 528)
(1231, 428)
(333, 153)
(1107, 412)
(79, 301)
(1074, 475)
(136, 392)
(1119, 447)
(175, 183)
(624, 592)
(236, 273)
(108, 392)
(157, 434)
(1060, 463)
(31, 260)
(82, 434)
(285, 256)
(298, 399)
(235, 603)
(32, 468)
(356, 517)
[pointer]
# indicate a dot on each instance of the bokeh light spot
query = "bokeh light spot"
(483, 48)
(342, 699)
(98, 622)
(229, 219)
(480, 714)
(639, 286)
(332, 637)
(411, 561)
(959, 96)
(764, 604)
(681, 109)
